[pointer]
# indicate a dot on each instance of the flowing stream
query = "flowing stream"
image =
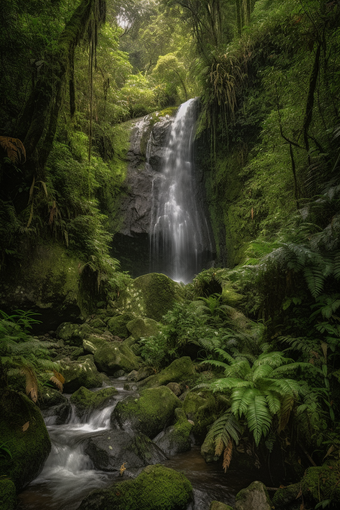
(68, 475)
(179, 233)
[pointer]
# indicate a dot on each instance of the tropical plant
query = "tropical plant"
(224, 432)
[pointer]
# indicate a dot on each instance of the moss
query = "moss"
(86, 400)
(142, 327)
(149, 414)
(30, 447)
(114, 356)
(286, 495)
(201, 408)
(117, 325)
(82, 372)
(320, 483)
(156, 488)
(7, 494)
(217, 505)
(181, 369)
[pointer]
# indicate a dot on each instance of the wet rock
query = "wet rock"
(179, 370)
(82, 372)
(54, 405)
(139, 375)
(217, 505)
(150, 413)
(23, 430)
(86, 401)
(201, 500)
(156, 488)
(8, 495)
(254, 497)
(176, 438)
(200, 407)
(111, 449)
(114, 356)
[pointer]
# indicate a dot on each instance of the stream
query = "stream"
(68, 475)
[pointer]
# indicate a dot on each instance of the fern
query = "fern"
(259, 418)
(223, 432)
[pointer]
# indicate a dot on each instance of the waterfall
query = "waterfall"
(179, 234)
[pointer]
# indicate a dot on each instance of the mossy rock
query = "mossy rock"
(82, 372)
(322, 482)
(150, 295)
(217, 505)
(156, 488)
(114, 356)
(179, 370)
(176, 438)
(150, 413)
(7, 494)
(287, 495)
(75, 334)
(49, 397)
(143, 328)
(54, 405)
(86, 401)
(117, 325)
(23, 430)
(201, 408)
(253, 497)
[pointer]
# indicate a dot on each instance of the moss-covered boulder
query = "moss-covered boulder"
(82, 372)
(179, 370)
(254, 497)
(114, 356)
(54, 405)
(201, 408)
(23, 431)
(176, 438)
(217, 505)
(139, 375)
(322, 482)
(150, 295)
(77, 334)
(86, 401)
(111, 449)
(156, 488)
(287, 495)
(117, 325)
(7, 494)
(142, 327)
(149, 414)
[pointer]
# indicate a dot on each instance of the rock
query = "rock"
(254, 497)
(23, 431)
(86, 401)
(149, 414)
(117, 325)
(46, 282)
(176, 438)
(82, 372)
(175, 388)
(8, 495)
(287, 495)
(142, 327)
(49, 397)
(114, 356)
(208, 450)
(179, 370)
(156, 488)
(111, 449)
(217, 505)
(150, 295)
(139, 375)
(54, 405)
(200, 407)
(321, 483)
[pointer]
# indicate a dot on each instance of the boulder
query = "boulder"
(55, 406)
(142, 327)
(156, 488)
(287, 495)
(175, 388)
(254, 497)
(8, 497)
(139, 375)
(117, 325)
(179, 370)
(200, 407)
(149, 414)
(114, 356)
(82, 372)
(176, 438)
(23, 431)
(321, 483)
(86, 401)
(111, 449)
(217, 505)
(150, 295)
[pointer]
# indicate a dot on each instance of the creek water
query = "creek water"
(179, 235)
(68, 474)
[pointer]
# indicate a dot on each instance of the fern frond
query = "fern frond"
(228, 451)
(258, 418)
(261, 371)
(315, 279)
(241, 399)
(286, 408)
(274, 403)
(14, 148)
(336, 268)
(31, 382)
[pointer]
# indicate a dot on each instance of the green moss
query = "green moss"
(117, 325)
(114, 356)
(86, 400)
(82, 372)
(286, 495)
(320, 483)
(156, 488)
(142, 327)
(217, 505)
(7, 494)
(29, 448)
(179, 370)
(201, 408)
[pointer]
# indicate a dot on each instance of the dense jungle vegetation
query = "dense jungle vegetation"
(74, 76)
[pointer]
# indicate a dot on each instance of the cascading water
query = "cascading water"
(179, 234)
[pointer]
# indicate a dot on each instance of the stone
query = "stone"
(23, 431)
(111, 449)
(176, 438)
(114, 356)
(150, 413)
(86, 401)
(143, 328)
(321, 482)
(54, 405)
(139, 375)
(286, 495)
(200, 407)
(8, 497)
(179, 370)
(254, 497)
(117, 325)
(82, 372)
(150, 295)
(156, 488)
(217, 505)
(175, 388)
